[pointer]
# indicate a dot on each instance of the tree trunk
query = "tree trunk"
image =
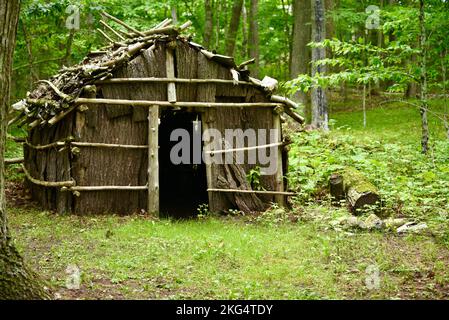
(301, 54)
(218, 9)
(16, 280)
(208, 25)
(412, 87)
(33, 77)
(254, 36)
(244, 30)
(319, 98)
(233, 27)
(66, 61)
(424, 104)
(174, 14)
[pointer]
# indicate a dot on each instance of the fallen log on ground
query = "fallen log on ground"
(360, 194)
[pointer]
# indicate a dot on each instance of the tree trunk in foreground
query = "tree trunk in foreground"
(319, 98)
(16, 280)
(233, 27)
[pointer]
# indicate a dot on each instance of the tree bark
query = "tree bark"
(301, 54)
(33, 77)
(424, 104)
(16, 280)
(208, 24)
(233, 27)
(244, 30)
(254, 36)
(174, 14)
(319, 98)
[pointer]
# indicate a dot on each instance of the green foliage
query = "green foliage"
(253, 178)
(410, 183)
(359, 64)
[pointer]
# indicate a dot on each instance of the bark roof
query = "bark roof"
(55, 97)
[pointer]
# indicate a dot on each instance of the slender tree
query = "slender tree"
(209, 21)
(424, 104)
(16, 280)
(233, 27)
(319, 98)
(253, 51)
(245, 34)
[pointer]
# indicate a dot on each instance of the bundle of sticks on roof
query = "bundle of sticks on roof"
(54, 98)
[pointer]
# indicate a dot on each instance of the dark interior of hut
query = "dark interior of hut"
(183, 187)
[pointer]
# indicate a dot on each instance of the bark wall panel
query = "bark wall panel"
(123, 166)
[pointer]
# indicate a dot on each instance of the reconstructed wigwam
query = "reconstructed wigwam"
(99, 132)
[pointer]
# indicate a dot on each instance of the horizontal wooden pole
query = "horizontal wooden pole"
(145, 103)
(60, 116)
(108, 188)
(265, 146)
(177, 80)
(46, 146)
(252, 191)
(13, 161)
(291, 106)
(85, 144)
(57, 184)
(108, 145)
(17, 139)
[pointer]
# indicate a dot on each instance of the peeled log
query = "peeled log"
(360, 193)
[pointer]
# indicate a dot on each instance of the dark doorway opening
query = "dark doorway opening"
(183, 187)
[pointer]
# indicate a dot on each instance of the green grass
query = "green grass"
(134, 257)
(393, 122)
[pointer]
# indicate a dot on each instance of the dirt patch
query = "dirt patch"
(17, 195)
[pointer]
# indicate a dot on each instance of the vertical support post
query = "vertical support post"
(280, 199)
(205, 125)
(153, 160)
(170, 67)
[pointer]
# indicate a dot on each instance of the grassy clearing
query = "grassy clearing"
(234, 258)
(135, 257)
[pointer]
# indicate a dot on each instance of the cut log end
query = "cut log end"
(360, 194)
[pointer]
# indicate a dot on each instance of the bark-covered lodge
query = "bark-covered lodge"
(99, 131)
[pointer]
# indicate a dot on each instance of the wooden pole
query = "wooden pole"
(46, 146)
(106, 188)
(277, 193)
(48, 183)
(175, 80)
(144, 103)
(279, 198)
(207, 150)
(108, 145)
(112, 30)
(265, 146)
(170, 66)
(13, 161)
(120, 22)
(153, 160)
